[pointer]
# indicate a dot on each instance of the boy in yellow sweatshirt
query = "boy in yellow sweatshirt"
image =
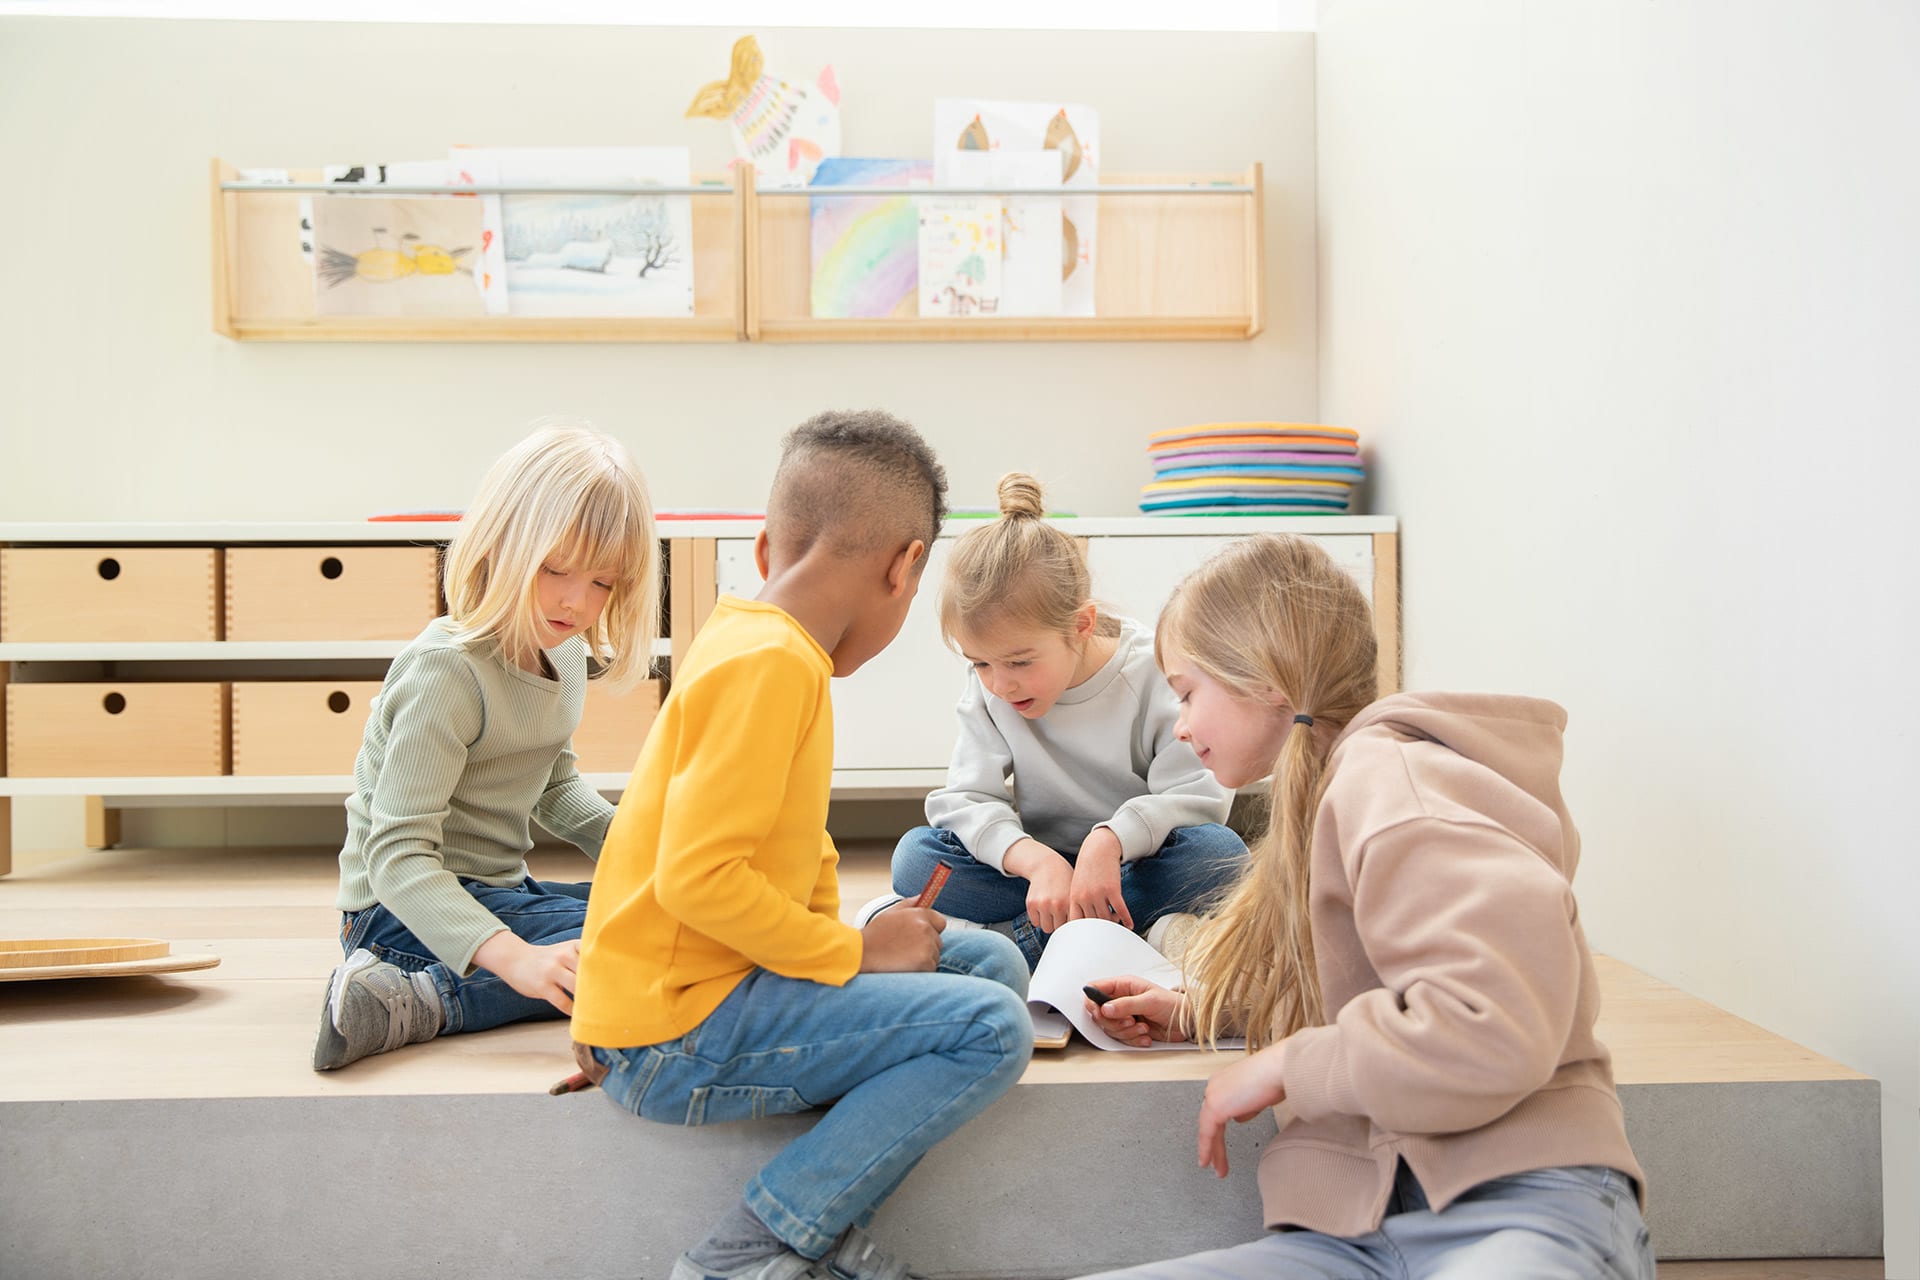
(716, 980)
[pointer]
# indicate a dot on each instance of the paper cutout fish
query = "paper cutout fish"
(783, 130)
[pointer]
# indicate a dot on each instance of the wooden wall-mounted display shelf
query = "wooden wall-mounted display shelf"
(263, 287)
(1180, 258)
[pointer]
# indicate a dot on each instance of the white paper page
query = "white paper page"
(1081, 951)
(1030, 275)
(964, 124)
(470, 166)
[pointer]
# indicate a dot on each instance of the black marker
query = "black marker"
(1096, 995)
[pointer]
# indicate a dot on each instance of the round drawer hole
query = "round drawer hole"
(115, 703)
(109, 568)
(331, 567)
(338, 702)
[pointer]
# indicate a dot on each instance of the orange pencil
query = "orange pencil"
(934, 884)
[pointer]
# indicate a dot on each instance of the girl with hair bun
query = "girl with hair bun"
(1110, 816)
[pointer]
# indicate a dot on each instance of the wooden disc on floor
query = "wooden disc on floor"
(31, 959)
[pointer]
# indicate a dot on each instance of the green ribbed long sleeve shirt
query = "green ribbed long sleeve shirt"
(462, 751)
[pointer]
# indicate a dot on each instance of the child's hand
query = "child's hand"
(538, 972)
(1139, 1012)
(1096, 880)
(902, 939)
(1239, 1093)
(1049, 880)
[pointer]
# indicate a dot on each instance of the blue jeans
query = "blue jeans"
(904, 1058)
(1579, 1223)
(540, 911)
(1189, 869)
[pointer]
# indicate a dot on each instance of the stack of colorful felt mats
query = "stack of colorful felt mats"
(1252, 468)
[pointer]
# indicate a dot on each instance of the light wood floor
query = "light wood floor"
(245, 1029)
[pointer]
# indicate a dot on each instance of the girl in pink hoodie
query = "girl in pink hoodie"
(1404, 955)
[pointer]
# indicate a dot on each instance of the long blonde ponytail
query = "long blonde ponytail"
(1272, 615)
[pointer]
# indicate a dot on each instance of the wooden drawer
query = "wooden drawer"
(330, 593)
(108, 593)
(299, 726)
(612, 727)
(116, 730)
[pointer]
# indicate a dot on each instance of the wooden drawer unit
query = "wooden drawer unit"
(116, 730)
(331, 593)
(613, 726)
(93, 594)
(294, 727)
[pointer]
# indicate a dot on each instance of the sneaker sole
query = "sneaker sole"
(329, 1043)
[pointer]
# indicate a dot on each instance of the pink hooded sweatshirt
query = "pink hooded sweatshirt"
(1459, 990)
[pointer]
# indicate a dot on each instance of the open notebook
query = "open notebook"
(1085, 951)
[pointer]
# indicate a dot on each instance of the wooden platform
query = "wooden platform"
(1754, 1146)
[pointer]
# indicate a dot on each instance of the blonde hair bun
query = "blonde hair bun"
(1020, 495)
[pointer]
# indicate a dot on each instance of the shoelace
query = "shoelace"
(399, 1002)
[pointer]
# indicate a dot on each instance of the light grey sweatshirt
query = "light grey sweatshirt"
(462, 749)
(1103, 756)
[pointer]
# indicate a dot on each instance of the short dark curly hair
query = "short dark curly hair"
(859, 479)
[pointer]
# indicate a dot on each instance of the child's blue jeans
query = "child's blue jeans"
(540, 911)
(904, 1058)
(1192, 866)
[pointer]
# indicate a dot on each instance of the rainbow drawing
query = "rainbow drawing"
(866, 249)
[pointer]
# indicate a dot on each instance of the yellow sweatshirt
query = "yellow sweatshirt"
(717, 860)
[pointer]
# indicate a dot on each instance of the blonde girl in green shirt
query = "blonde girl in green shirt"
(553, 567)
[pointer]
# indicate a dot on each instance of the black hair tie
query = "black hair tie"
(1306, 720)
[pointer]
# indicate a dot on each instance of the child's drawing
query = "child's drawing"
(962, 125)
(783, 130)
(1031, 226)
(577, 254)
(866, 249)
(960, 256)
(394, 256)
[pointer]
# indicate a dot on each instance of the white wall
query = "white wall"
(1625, 299)
(117, 401)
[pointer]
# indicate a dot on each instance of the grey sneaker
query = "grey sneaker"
(855, 1256)
(785, 1265)
(371, 1007)
(874, 906)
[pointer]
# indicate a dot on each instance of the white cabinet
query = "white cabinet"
(1135, 575)
(896, 712)
(893, 719)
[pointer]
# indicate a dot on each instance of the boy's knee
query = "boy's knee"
(1003, 1014)
(986, 953)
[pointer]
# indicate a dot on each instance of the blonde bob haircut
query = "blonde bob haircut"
(1017, 570)
(566, 497)
(1271, 615)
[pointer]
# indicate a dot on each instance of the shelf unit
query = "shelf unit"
(893, 718)
(1180, 258)
(688, 550)
(263, 287)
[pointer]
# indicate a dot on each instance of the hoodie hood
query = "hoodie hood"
(1518, 744)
